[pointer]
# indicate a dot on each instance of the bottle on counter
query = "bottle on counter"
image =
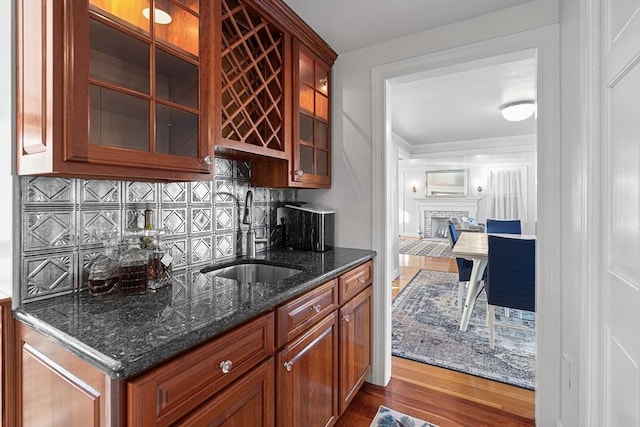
(104, 276)
(134, 270)
(104, 271)
(159, 268)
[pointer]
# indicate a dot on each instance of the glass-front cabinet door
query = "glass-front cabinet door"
(312, 147)
(145, 62)
(130, 84)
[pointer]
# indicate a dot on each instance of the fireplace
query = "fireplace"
(441, 209)
(439, 227)
(435, 222)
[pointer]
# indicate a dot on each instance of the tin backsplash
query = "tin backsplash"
(61, 218)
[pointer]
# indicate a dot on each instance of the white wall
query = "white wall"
(6, 144)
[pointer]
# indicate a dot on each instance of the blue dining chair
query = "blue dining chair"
(511, 277)
(464, 266)
(507, 226)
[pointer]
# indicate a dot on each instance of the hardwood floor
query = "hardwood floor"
(443, 397)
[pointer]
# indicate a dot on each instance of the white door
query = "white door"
(620, 109)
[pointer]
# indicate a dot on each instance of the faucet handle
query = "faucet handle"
(247, 216)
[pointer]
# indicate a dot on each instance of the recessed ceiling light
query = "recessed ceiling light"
(159, 16)
(518, 111)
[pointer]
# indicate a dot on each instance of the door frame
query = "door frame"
(545, 41)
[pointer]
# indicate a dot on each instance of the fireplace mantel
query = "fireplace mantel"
(444, 207)
(447, 202)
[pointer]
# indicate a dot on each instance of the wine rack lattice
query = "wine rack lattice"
(252, 77)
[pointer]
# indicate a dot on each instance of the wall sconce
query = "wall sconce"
(518, 111)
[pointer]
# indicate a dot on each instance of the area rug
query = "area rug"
(387, 417)
(426, 247)
(426, 322)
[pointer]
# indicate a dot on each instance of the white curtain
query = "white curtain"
(507, 194)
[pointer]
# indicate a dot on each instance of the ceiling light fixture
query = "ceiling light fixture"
(518, 111)
(159, 16)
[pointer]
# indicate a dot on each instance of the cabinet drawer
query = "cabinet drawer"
(249, 401)
(297, 315)
(165, 394)
(352, 282)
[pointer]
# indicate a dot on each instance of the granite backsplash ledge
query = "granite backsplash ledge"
(61, 217)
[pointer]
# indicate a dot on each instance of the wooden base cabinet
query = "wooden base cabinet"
(299, 365)
(326, 353)
(307, 377)
(355, 346)
(55, 388)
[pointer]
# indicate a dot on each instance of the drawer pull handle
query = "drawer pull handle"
(299, 173)
(361, 279)
(317, 308)
(207, 160)
(288, 366)
(346, 317)
(226, 366)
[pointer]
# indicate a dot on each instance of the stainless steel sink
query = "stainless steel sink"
(252, 273)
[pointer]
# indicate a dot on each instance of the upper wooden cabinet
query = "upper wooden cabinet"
(255, 79)
(275, 95)
(110, 88)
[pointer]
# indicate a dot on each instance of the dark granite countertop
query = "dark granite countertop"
(125, 335)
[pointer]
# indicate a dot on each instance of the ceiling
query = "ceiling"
(352, 24)
(459, 103)
(453, 104)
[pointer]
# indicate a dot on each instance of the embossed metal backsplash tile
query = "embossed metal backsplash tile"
(63, 220)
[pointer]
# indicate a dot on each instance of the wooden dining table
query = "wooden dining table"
(475, 247)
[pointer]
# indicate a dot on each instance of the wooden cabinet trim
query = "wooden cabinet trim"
(283, 15)
(7, 364)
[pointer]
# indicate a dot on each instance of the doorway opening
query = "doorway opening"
(385, 191)
(447, 124)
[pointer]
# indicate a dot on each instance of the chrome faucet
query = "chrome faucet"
(247, 218)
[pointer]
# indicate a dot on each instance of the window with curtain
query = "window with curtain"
(508, 193)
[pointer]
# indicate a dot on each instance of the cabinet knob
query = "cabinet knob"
(208, 160)
(288, 366)
(317, 308)
(346, 317)
(361, 279)
(299, 173)
(226, 366)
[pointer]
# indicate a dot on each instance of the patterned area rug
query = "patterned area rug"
(426, 247)
(426, 323)
(389, 418)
